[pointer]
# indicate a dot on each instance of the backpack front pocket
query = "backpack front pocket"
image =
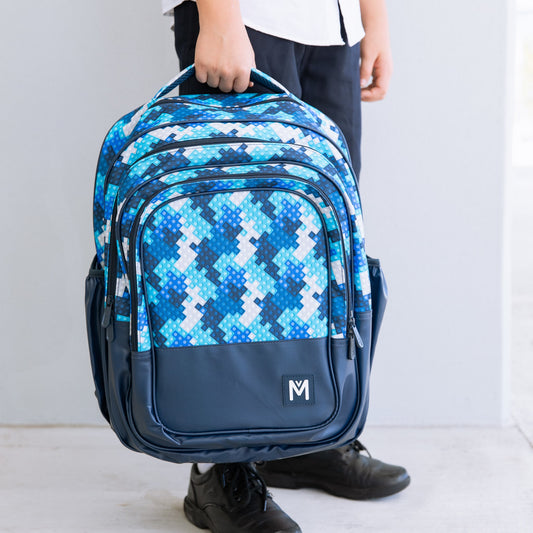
(245, 266)
(236, 291)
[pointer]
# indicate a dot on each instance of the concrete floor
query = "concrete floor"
(70, 480)
(471, 480)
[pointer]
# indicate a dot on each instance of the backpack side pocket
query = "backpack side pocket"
(380, 294)
(94, 307)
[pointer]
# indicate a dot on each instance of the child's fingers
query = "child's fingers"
(242, 81)
(365, 70)
(225, 84)
(213, 79)
(381, 75)
(376, 90)
(373, 93)
(201, 73)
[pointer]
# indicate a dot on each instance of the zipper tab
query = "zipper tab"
(351, 351)
(110, 332)
(106, 318)
(355, 338)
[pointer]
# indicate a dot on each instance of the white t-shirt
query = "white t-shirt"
(314, 22)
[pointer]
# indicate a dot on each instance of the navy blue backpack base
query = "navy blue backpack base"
(232, 312)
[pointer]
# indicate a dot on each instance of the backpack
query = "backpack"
(232, 312)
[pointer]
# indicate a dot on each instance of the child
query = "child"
(317, 50)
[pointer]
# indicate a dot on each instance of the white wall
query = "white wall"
(69, 70)
(435, 163)
(433, 181)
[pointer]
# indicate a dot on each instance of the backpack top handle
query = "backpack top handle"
(255, 75)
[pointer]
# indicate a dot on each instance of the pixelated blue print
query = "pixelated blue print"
(195, 110)
(338, 281)
(221, 154)
(338, 286)
(189, 110)
(247, 266)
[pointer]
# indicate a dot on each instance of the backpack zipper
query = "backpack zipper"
(132, 274)
(181, 100)
(112, 269)
(233, 140)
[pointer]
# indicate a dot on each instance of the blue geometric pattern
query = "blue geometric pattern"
(199, 110)
(186, 150)
(283, 133)
(286, 176)
(248, 266)
(203, 109)
(336, 258)
(152, 166)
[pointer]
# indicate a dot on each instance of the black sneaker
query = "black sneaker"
(232, 498)
(343, 472)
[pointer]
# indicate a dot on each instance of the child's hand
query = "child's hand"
(224, 56)
(376, 57)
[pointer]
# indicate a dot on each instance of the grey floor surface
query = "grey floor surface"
(471, 480)
(72, 480)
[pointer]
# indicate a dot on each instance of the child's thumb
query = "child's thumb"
(365, 71)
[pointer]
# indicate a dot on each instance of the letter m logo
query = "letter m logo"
(298, 390)
(298, 387)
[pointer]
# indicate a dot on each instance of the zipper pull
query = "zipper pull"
(110, 333)
(106, 318)
(355, 338)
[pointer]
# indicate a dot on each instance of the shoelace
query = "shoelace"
(358, 447)
(241, 481)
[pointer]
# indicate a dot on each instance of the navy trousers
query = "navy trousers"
(326, 77)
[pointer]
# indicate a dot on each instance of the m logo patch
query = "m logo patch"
(299, 390)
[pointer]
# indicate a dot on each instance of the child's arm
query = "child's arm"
(224, 55)
(376, 57)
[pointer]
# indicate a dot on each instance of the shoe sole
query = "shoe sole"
(199, 518)
(286, 481)
(196, 516)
